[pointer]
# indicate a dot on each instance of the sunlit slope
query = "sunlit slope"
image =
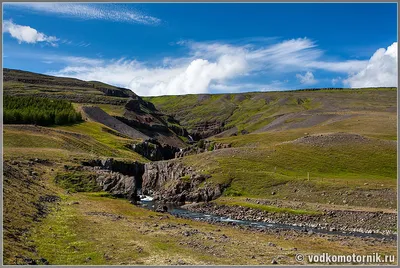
(87, 139)
(270, 111)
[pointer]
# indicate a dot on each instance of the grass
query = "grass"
(20, 139)
(87, 138)
(77, 181)
(263, 164)
(95, 130)
(71, 236)
(58, 88)
(252, 111)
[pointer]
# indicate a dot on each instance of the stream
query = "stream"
(178, 211)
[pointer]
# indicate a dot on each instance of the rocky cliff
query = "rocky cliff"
(172, 181)
(153, 150)
(118, 178)
(167, 181)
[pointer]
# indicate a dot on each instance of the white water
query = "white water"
(146, 198)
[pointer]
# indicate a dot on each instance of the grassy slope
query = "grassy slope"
(84, 140)
(266, 162)
(251, 111)
(32, 84)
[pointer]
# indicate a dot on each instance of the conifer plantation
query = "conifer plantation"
(39, 111)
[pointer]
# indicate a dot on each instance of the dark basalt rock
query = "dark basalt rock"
(153, 150)
(173, 182)
(119, 178)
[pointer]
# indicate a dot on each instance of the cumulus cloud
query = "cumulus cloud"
(26, 34)
(307, 78)
(110, 12)
(381, 70)
(194, 78)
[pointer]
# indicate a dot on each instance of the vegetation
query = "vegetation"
(270, 162)
(22, 83)
(91, 233)
(253, 111)
(83, 140)
(38, 111)
(77, 181)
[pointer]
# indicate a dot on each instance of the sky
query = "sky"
(173, 49)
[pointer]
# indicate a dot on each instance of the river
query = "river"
(178, 211)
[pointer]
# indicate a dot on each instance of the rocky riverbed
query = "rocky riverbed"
(331, 220)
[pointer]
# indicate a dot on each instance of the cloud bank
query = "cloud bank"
(228, 67)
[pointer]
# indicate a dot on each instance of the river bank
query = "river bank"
(379, 223)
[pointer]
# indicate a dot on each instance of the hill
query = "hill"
(131, 113)
(236, 114)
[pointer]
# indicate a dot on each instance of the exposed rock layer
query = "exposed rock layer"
(117, 177)
(171, 181)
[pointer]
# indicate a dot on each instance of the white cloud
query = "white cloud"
(110, 12)
(381, 70)
(26, 34)
(212, 66)
(307, 78)
(196, 77)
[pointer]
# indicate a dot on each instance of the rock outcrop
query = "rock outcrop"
(206, 129)
(167, 181)
(173, 182)
(154, 151)
(119, 178)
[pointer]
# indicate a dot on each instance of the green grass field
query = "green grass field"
(87, 139)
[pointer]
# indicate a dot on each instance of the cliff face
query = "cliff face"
(118, 178)
(167, 181)
(171, 181)
(154, 151)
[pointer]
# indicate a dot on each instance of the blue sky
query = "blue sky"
(160, 49)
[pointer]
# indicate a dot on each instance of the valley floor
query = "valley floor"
(94, 228)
